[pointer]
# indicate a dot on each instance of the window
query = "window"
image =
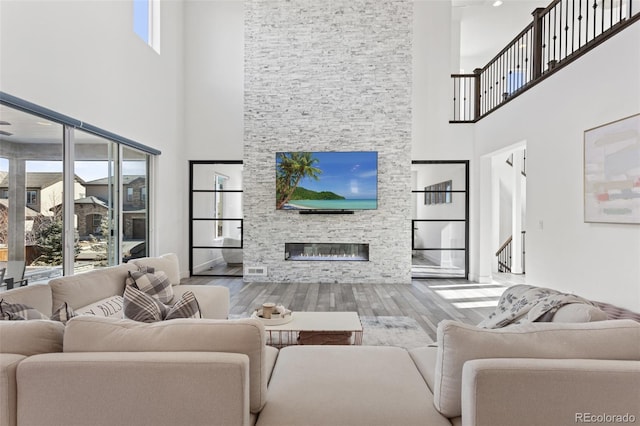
(143, 194)
(32, 197)
(129, 194)
(4, 194)
(66, 215)
(146, 22)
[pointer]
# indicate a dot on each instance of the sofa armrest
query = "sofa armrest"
(148, 388)
(533, 392)
(213, 299)
(8, 387)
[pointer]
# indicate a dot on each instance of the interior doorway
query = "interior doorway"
(440, 219)
(215, 224)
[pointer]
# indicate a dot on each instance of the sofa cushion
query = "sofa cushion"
(31, 337)
(579, 312)
(247, 336)
(458, 343)
(86, 288)
(134, 389)
(425, 360)
(19, 311)
(347, 385)
(37, 296)
(154, 284)
(168, 263)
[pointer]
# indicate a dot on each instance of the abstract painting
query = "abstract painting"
(612, 172)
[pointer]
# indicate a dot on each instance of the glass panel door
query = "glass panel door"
(215, 208)
(95, 202)
(31, 195)
(135, 204)
(440, 223)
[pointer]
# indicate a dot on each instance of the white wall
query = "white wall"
(597, 261)
(214, 79)
(432, 136)
(82, 59)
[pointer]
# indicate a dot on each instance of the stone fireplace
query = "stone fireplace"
(328, 76)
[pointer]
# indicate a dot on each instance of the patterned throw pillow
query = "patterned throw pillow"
(108, 307)
(139, 306)
(155, 284)
(186, 307)
(18, 311)
(63, 314)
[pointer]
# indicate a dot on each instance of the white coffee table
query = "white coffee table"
(345, 325)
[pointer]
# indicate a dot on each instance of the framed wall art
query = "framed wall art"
(612, 172)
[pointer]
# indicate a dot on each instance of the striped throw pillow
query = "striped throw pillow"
(139, 306)
(18, 311)
(63, 314)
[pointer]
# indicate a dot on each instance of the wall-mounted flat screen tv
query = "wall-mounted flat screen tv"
(327, 180)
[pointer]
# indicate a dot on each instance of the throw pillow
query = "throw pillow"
(155, 284)
(108, 307)
(63, 314)
(186, 307)
(139, 306)
(458, 343)
(168, 263)
(579, 312)
(18, 311)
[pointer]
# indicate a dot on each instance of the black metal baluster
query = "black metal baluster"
(611, 13)
(579, 24)
(573, 25)
(560, 34)
(454, 97)
(566, 29)
(595, 15)
(555, 37)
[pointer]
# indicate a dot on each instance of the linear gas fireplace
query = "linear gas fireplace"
(326, 251)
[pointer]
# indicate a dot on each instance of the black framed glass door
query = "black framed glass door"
(440, 219)
(215, 218)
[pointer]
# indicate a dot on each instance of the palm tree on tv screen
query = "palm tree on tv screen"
(292, 167)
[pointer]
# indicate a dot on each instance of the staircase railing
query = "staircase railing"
(558, 35)
(504, 255)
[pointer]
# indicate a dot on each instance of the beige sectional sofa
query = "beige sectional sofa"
(110, 371)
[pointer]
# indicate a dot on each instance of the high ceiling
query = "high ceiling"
(485, 30)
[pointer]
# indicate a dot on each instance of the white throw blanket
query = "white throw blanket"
(524, 303)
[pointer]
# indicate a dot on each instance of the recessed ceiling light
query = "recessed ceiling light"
(43, 123)
(497, 3)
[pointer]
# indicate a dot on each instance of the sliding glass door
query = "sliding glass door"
(71, 199)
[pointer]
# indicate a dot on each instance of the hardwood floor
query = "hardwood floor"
(426, 301)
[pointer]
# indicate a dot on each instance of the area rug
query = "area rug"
(398, 331)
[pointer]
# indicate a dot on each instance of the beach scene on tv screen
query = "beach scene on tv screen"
(327, 180)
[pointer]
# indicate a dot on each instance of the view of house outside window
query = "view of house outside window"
(107, 230)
